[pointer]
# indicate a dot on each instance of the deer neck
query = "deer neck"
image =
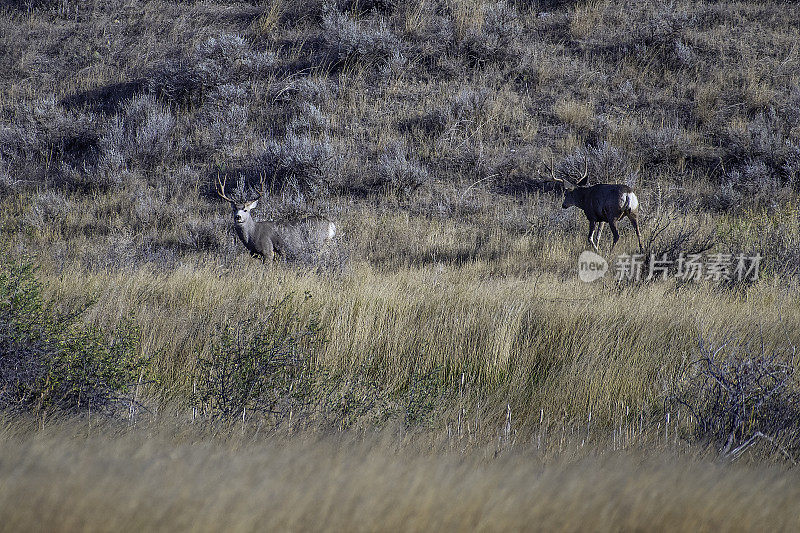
(245, 230)
(580, 194)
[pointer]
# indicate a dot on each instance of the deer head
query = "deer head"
(570, 196)
(241, 210)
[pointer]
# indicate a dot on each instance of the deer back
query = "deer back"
(607, 202)
(290, 237)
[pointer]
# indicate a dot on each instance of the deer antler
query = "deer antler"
(221, 189)
(582, 181)
(552, 171)
(261, 183)
(565, 180)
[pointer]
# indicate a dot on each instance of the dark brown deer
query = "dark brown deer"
(601, 203)
(285, 238)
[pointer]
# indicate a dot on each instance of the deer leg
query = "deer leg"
(269, 254)
(635, 225)
(597, 235)
(614, 232)
(591, 234)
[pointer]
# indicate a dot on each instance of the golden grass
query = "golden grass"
(540, 342)
(486, 296)
(468, 15)
(269, 20)
(585, 18)
(579, 115)
(479, 287)
(163, 480)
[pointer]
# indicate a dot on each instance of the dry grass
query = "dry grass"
(579, 115)
(161, 481)
(546, 343)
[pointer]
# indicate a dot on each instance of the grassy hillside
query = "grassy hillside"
(448, 317)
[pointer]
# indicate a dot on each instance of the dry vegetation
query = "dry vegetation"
(443, 356)
(62, 479)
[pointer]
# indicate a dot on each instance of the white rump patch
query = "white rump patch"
(633, 202)
(331, 230)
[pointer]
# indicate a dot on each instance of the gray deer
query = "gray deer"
(285, 238)
(600, 203)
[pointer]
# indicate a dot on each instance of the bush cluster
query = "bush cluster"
(738, 396)
(51, 361)
(266, 369)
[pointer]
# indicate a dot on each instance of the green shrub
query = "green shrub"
(265, 369)
(259, 366)
(50, 360)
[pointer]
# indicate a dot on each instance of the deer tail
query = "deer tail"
(631, 203)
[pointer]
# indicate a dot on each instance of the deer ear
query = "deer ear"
(250, 205)
(583, 181)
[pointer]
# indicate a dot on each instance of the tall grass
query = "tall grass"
(158, 480)
(539, 343)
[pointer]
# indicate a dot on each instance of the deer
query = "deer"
(284, 238)
(603, 202)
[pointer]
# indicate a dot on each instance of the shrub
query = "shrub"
(604, 163)
(791, 166)
(498, 40)
(400, 173)
(259, 366)
(219, 60)
(139, 135)
(753, 184)
(202, 234)
(430, 124)
(264, 369)
(296, 162)
(49, 360)
(737, 397)
(75, 141)
(224, 127)
(7, 182)
(346, 39)
(667, 240)
(754, 177)
(148, 127)
(179, 82)
(48, 209)
(48, 145)
(316, 90)
(761, 138)
(669, 145)
(309, 119)
(726, 197)
(469, 103)
(645, 31)
(364, 7)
